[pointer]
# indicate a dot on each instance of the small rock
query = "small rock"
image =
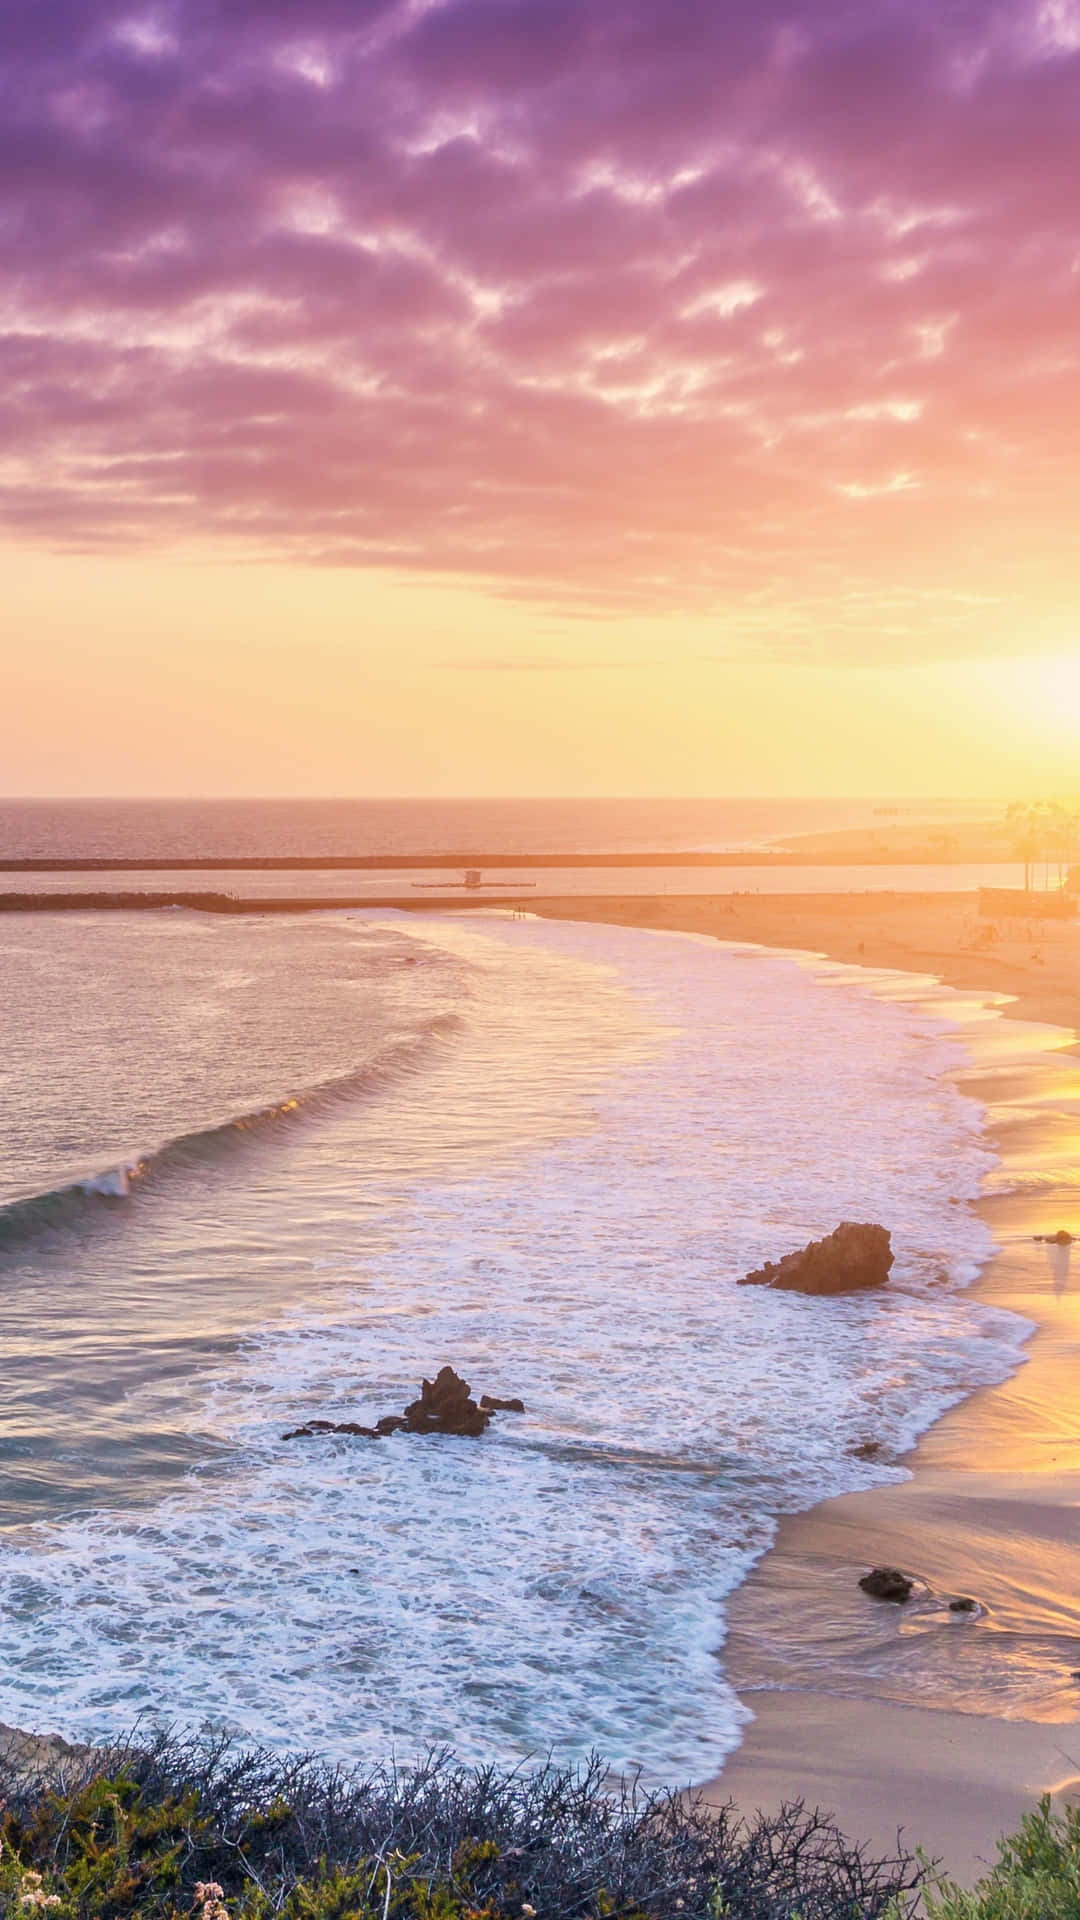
(390, 1423)
(867, 1450)
(316, 1428)
(492, 1405)
(964, 1605)
(1062, 1238)
(887, 1583)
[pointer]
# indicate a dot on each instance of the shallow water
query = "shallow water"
(543, 1152)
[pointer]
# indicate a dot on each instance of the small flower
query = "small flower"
(529, 1912)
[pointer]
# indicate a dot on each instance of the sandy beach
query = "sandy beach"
(1037, 960)
(945, 1726)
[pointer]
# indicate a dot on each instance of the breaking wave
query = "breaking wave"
(98, 1192)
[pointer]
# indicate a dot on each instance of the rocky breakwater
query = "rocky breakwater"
(856, 1256)
(445, 1405)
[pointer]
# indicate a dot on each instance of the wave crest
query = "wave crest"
(102, 1190)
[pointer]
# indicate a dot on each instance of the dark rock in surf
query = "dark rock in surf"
(315, 1429)
(856, 1256)
(1062, 1238)
(887, 1583)
(965, 1604)
(446, 1405)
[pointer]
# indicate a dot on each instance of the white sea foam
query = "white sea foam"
(559, 1584)
(114, 1183)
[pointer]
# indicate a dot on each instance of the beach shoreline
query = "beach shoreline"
(839, 1721)
(988, 1508)
(1035, 961)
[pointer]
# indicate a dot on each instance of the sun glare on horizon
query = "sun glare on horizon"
(486, 356)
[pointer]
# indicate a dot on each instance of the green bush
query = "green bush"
(203, 1830)
(1036, 1875)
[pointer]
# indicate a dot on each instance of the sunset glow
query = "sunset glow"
(589, 397)
(539, 941)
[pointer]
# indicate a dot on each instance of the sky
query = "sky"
(540, 396)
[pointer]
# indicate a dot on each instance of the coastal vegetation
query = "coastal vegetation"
(1036, 1875)
(205, 1830)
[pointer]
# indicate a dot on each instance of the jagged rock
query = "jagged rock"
(857, 1255)
(446, 1405)
(1062, 1238)
(887, 1583)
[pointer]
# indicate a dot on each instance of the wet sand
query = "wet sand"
(945, 1725)
(949, 1726)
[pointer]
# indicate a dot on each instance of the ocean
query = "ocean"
(258, 1170)
(229, 829)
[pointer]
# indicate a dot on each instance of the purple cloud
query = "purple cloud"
(608, 303)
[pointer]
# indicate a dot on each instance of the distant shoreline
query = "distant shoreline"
(501, 862)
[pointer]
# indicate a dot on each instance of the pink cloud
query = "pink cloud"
(607, 302)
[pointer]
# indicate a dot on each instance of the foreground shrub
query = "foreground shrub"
(205, 1830)
(1036, 1876)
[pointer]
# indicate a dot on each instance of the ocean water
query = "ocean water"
(229, 829)
(462, 829)
(257, 1170)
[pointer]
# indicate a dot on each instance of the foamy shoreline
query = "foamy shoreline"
(828, 1730)
(988, 1511)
